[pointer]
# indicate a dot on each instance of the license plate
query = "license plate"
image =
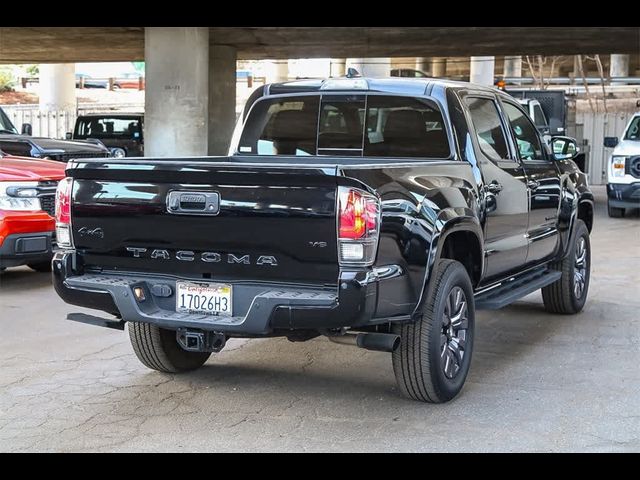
(207, 298)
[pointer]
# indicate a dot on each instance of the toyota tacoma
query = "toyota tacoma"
(380, 213)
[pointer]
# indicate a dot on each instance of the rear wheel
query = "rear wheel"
(569, 294)
(434, 356)
(615, 212)
(158, 349)
(40, 267)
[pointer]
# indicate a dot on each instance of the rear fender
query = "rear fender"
(448, 221)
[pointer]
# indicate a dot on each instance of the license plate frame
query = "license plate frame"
(186, 301)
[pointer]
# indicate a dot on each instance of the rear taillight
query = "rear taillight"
(358, 226)
(63, 213)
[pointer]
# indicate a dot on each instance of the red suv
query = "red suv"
(27, 202)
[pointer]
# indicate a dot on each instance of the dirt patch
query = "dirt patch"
(16, 98)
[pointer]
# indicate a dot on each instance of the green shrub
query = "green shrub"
(7, 81)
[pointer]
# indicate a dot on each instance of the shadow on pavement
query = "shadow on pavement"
(21, 278)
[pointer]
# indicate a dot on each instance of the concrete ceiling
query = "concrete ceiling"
(93, 44)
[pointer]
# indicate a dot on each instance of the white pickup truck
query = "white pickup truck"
(623, 172)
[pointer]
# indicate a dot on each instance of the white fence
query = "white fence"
(596, 127)
(55, 124)
(45, 124)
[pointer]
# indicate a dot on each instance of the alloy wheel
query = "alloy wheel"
(453, 336)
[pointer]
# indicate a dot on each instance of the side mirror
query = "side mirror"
(610, 142)
(564, 148)
(68, 135)
(27, 129)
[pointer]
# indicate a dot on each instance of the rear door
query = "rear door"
(207, 220)
(543, 185)
(506, 191)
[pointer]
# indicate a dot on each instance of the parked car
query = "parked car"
(623, 172)
(122, 133)
(27, 199)
(379, 213)
(13, 143)
(408, 72)
(86, 81)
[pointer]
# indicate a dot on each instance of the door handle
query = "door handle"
(494, 187)
(532, 184)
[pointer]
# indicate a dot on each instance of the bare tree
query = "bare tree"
(584, 81)
(538, 73)
(602, 82)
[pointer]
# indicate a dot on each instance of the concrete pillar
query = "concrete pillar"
(482, 70)
(337, 67)
(438, 67)
(276, 70)
(379, 67)
(619, 66)
(177, 91)
(57, 87)
(512, 66)
(422, 64)
(222, 97)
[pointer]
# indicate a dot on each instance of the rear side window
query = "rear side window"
(488, 127)
(345, 125)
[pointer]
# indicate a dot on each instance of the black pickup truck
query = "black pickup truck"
(378, 213)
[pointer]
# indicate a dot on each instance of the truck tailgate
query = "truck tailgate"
(213, 220)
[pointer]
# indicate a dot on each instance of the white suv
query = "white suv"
(623, 172)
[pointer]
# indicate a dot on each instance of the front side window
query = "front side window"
(525, 133)
(345, 125)
(488, 127)
(633, 132)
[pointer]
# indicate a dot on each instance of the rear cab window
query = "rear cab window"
(358, 125)
(108, 127)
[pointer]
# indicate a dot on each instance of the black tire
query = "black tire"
(565, 296)
(615, 212)
(40, 267)
(419, 363)
(158, 349)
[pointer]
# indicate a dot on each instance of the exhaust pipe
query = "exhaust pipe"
(378, 342)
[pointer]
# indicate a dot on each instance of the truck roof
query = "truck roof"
(403, 85)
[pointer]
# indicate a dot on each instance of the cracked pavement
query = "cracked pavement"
(538, 382)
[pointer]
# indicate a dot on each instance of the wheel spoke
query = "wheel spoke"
(449, 364)
(460, 317)
(462, 340)
(455, 350)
